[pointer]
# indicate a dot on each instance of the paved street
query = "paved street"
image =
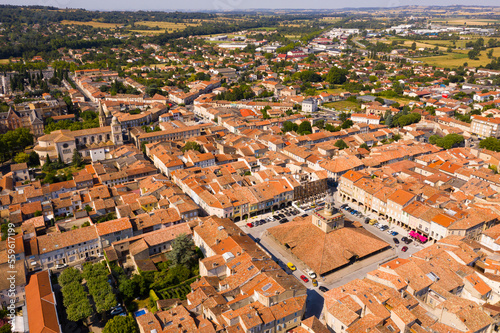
(356, 271)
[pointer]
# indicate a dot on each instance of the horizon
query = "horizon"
(240, 5)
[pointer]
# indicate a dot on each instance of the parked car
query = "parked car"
(395, 240)
(304, 215)
(404, 238)
(291, 266)
(61, 266)
(283, 221)
(367, 220)
(323, 289)
(408, 241)
(311, 274)
(116, 311)
(89, 259)
(404, 248)
(314, 282)
(373, 222)
(250, 224)
(395, 233)
(304, 278)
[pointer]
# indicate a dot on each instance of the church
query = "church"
(89, 142)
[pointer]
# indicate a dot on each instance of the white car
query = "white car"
(311, 274)
(60, 266)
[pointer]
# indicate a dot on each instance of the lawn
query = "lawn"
(332, 91)
(341, 105)
(4, 61)
(458, 58)
(94, 24)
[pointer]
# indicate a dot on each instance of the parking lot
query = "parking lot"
(355, 271)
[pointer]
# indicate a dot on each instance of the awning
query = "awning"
(412, 234)
(423, 238)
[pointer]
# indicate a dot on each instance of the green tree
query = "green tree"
(304, 128)
(320, 123)
(79, 311)
(336, 75)
(127, 288)
(34, 159)
(191, 145)
(21, 158)
(121, 324)
(364, 145)
(341, 144)
(182, 250)
(288, 126)
(490, 144)
(77, 159)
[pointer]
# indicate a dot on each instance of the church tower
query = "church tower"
(328, 219)
(116, 132)
(102, 116)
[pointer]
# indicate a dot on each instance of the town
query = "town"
(309, 171)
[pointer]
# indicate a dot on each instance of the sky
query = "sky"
(223, 5)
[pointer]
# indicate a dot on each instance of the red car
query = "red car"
(404, 248)
(250, 224)
(304, 278)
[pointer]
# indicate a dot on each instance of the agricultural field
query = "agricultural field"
(94, 24)
(458, 58)
(4, 61)
(166, 26)
(466, 22)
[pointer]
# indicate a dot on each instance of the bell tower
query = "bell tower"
(328, 219)
(102, 116)
(116, 132)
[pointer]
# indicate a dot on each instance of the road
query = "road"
(356, 271)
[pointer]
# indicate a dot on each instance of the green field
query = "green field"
(341, 105)
(458, 58)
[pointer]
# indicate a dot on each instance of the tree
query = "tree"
(341, 144)
(121, 324)
(288, 126)
(126, 288)
(191, 145)
(320, 123)
(364, 145)
(336, 75)
(304, 128)
(79, 311)
(182, 250)
(447, 142)
(490, 144)
(21, 158)
(34, 159)
(77, 159)
(414, 46)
